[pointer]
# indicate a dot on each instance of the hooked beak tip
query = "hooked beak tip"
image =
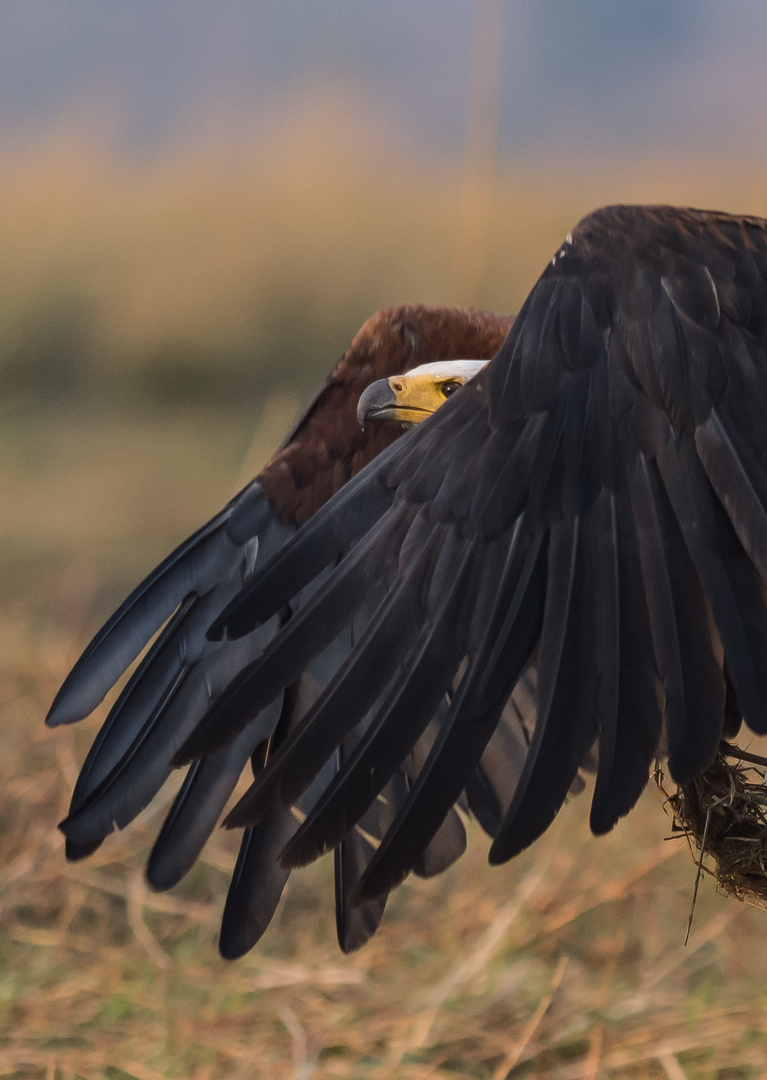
(376, 398)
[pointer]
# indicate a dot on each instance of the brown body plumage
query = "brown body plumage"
(327, 446)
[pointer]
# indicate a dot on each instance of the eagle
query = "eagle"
(563, 567)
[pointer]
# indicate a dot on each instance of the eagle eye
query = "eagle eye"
(450, 387)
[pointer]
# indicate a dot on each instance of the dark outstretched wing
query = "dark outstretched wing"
(173, 685)
(597, 494)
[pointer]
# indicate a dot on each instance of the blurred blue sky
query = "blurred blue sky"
(580, 75)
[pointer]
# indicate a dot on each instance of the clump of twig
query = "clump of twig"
(723, 813)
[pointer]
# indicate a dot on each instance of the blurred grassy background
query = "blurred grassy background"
(160, 324)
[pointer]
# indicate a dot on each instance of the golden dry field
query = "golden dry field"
(159, 327)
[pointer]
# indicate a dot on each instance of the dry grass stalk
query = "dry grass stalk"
(724, 815)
